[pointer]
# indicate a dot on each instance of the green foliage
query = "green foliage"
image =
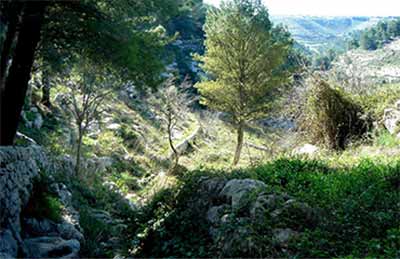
(244, 59)
(379, 98)
(43, 204)
(385, 139)
(95, 231)
(331, 117)
(377, 36)
(123, 36)
(357, 209)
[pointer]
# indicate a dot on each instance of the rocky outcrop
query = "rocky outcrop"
(236, 208)
(391, 119)
(35, 238)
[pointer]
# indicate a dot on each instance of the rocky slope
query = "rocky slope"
(371, 67)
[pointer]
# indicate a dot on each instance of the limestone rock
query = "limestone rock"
(8, 245)
(38, 227)
(391, 119)
(307, 149)
(237, 189)
(215, 213)
(68, 231)
(47, 247)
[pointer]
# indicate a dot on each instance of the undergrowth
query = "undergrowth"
(359, 211)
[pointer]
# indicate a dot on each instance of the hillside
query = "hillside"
(371, 67)
(155, 129)
(322, 33)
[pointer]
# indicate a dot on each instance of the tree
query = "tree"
(16, 78)
(173, 103)
(86, 90)
(120, 35)
(367, 41)
(244, 58)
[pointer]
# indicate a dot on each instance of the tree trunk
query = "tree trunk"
(12, 19)
(13, 95)
(78, 152)
(46, 88)
(171, 144)
(240, 134)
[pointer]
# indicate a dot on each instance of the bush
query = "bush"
(43, 205)
(331, 117)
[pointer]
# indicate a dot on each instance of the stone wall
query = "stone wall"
(30, 237)
(18, 168)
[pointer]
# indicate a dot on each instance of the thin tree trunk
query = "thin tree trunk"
(46, 88)
(171, 144)
(14, 12)
(16, 84)
(78, 152)
(240, 135)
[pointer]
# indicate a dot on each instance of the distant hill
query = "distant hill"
(371, 67)
(321, 33)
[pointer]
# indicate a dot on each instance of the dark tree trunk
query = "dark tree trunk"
(12, 16)
(239, 145)
(16, 84)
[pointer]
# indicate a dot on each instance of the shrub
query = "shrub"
(331, 117)
(43, 205)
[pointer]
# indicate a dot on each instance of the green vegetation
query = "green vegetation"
(377, 36)
(43, 204)
(141, 106)
(357, 208)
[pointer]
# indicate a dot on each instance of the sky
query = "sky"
(330, 7)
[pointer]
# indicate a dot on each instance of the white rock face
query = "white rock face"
(391, 119)
(307, 149)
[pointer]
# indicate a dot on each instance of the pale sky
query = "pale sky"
(330, 7)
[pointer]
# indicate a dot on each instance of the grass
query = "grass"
(357, 207)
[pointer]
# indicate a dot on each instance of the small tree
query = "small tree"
(173, 103)
(244, 57)
(85, 94)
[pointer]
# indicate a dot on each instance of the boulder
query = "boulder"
(307, 149)
(237, 190)
(391, 120)
(215, 214)
(49, 247)
(264, 204)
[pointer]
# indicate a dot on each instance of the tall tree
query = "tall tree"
(121, 35)
(245, 59)
(16, 80)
